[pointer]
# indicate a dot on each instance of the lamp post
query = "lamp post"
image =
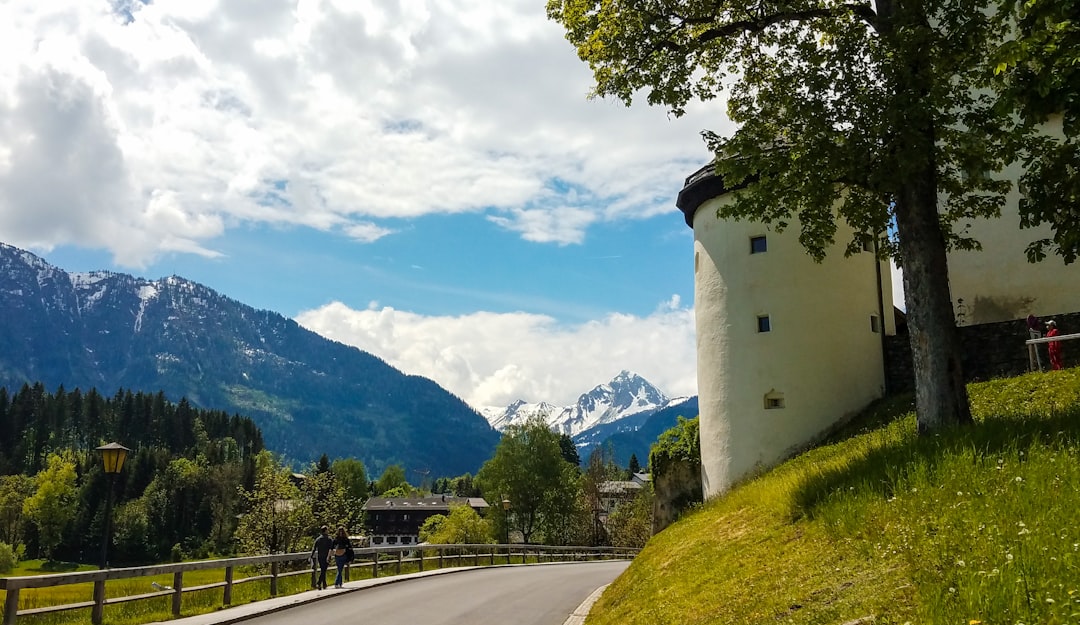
(506, 517)
(112, 458)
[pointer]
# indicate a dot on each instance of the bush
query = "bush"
(9, 557)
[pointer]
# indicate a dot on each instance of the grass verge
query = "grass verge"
(971, 525)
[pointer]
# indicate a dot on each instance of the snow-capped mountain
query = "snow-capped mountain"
(626, 395)
(309, 395)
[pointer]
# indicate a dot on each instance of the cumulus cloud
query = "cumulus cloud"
(154, 128)
(492, 359)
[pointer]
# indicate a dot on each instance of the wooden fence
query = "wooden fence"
(377, 559)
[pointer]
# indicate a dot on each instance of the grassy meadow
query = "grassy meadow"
(975, 525)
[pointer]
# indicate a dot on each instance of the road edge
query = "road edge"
(577, 617)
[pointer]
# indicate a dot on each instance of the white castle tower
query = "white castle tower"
(786, 347)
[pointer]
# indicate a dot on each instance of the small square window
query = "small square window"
(868, 245)
(758, 245)
(763, 324)
(875, 324)
(774, 400)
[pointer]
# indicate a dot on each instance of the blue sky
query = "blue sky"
(428, 181)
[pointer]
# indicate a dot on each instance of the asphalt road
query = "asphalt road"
(525, 595)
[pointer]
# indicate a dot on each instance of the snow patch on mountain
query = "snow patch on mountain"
(626, 395)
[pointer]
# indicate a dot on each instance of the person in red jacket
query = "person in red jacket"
(1053, 347)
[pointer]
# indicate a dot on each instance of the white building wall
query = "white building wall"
(821, 358)
(998, 284)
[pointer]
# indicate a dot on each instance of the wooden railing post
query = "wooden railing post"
(399, 554)
(440, 558)
(98, 611)
(375, 564)
(11, 606)
(227, 599)
(178, 591)
(273, 578)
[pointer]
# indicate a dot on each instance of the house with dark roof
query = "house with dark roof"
(397, 520)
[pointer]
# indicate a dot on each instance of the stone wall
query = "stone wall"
(675, 489)
(990, 350)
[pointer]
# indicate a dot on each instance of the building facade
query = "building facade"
(786, 347)
(397, 520)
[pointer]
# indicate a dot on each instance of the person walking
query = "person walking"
(320, 552)
(1054, 347)
(341, 547)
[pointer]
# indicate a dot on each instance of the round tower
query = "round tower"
(786, 347)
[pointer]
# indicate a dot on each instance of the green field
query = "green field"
(972, 525)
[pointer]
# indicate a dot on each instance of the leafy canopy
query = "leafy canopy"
(1038, 75)
(813, 85)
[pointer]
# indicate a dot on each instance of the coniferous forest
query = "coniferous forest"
(180, 492)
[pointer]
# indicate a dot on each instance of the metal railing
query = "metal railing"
(376, 559)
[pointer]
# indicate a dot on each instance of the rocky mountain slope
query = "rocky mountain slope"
(309, 395)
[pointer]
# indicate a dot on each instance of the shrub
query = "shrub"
(9, 557)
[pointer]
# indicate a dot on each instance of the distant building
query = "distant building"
(614, 493)
(397, 520)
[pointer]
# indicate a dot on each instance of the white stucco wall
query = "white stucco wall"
(820, 354)
(998, 284)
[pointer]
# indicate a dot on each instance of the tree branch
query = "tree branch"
(859, 10)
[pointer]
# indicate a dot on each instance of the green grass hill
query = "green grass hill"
(974, 525)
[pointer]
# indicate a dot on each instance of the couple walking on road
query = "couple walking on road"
(320, 553)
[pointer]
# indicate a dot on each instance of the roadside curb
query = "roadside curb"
(582, 611)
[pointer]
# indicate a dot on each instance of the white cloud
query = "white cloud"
(491, 359)
(321, 113)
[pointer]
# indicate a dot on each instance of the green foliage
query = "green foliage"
(681, 443)
(528, 469)
(52, 506)
(870, 115)
(630, 525)
(398, 492)
(392, 477)
(463, 526)
(330, 503)
(352, 475)
(569, 449)
(9, 557)
(969, 525)
(1037, 71)
(431, 526)
(14, 490)
(277, 519)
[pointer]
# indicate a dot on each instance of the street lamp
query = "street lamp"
(506, 517)
(112, 457)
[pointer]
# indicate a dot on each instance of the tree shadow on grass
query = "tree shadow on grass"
(56, 566)
(884, 469)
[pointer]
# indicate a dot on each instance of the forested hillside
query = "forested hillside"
(178, 492)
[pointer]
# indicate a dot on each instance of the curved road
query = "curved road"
(515, 595)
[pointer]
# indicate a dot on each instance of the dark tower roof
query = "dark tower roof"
(701, 186)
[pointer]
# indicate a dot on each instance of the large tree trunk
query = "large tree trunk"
(940, 395)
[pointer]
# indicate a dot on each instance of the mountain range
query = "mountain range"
(309, 395)
(626, 414)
